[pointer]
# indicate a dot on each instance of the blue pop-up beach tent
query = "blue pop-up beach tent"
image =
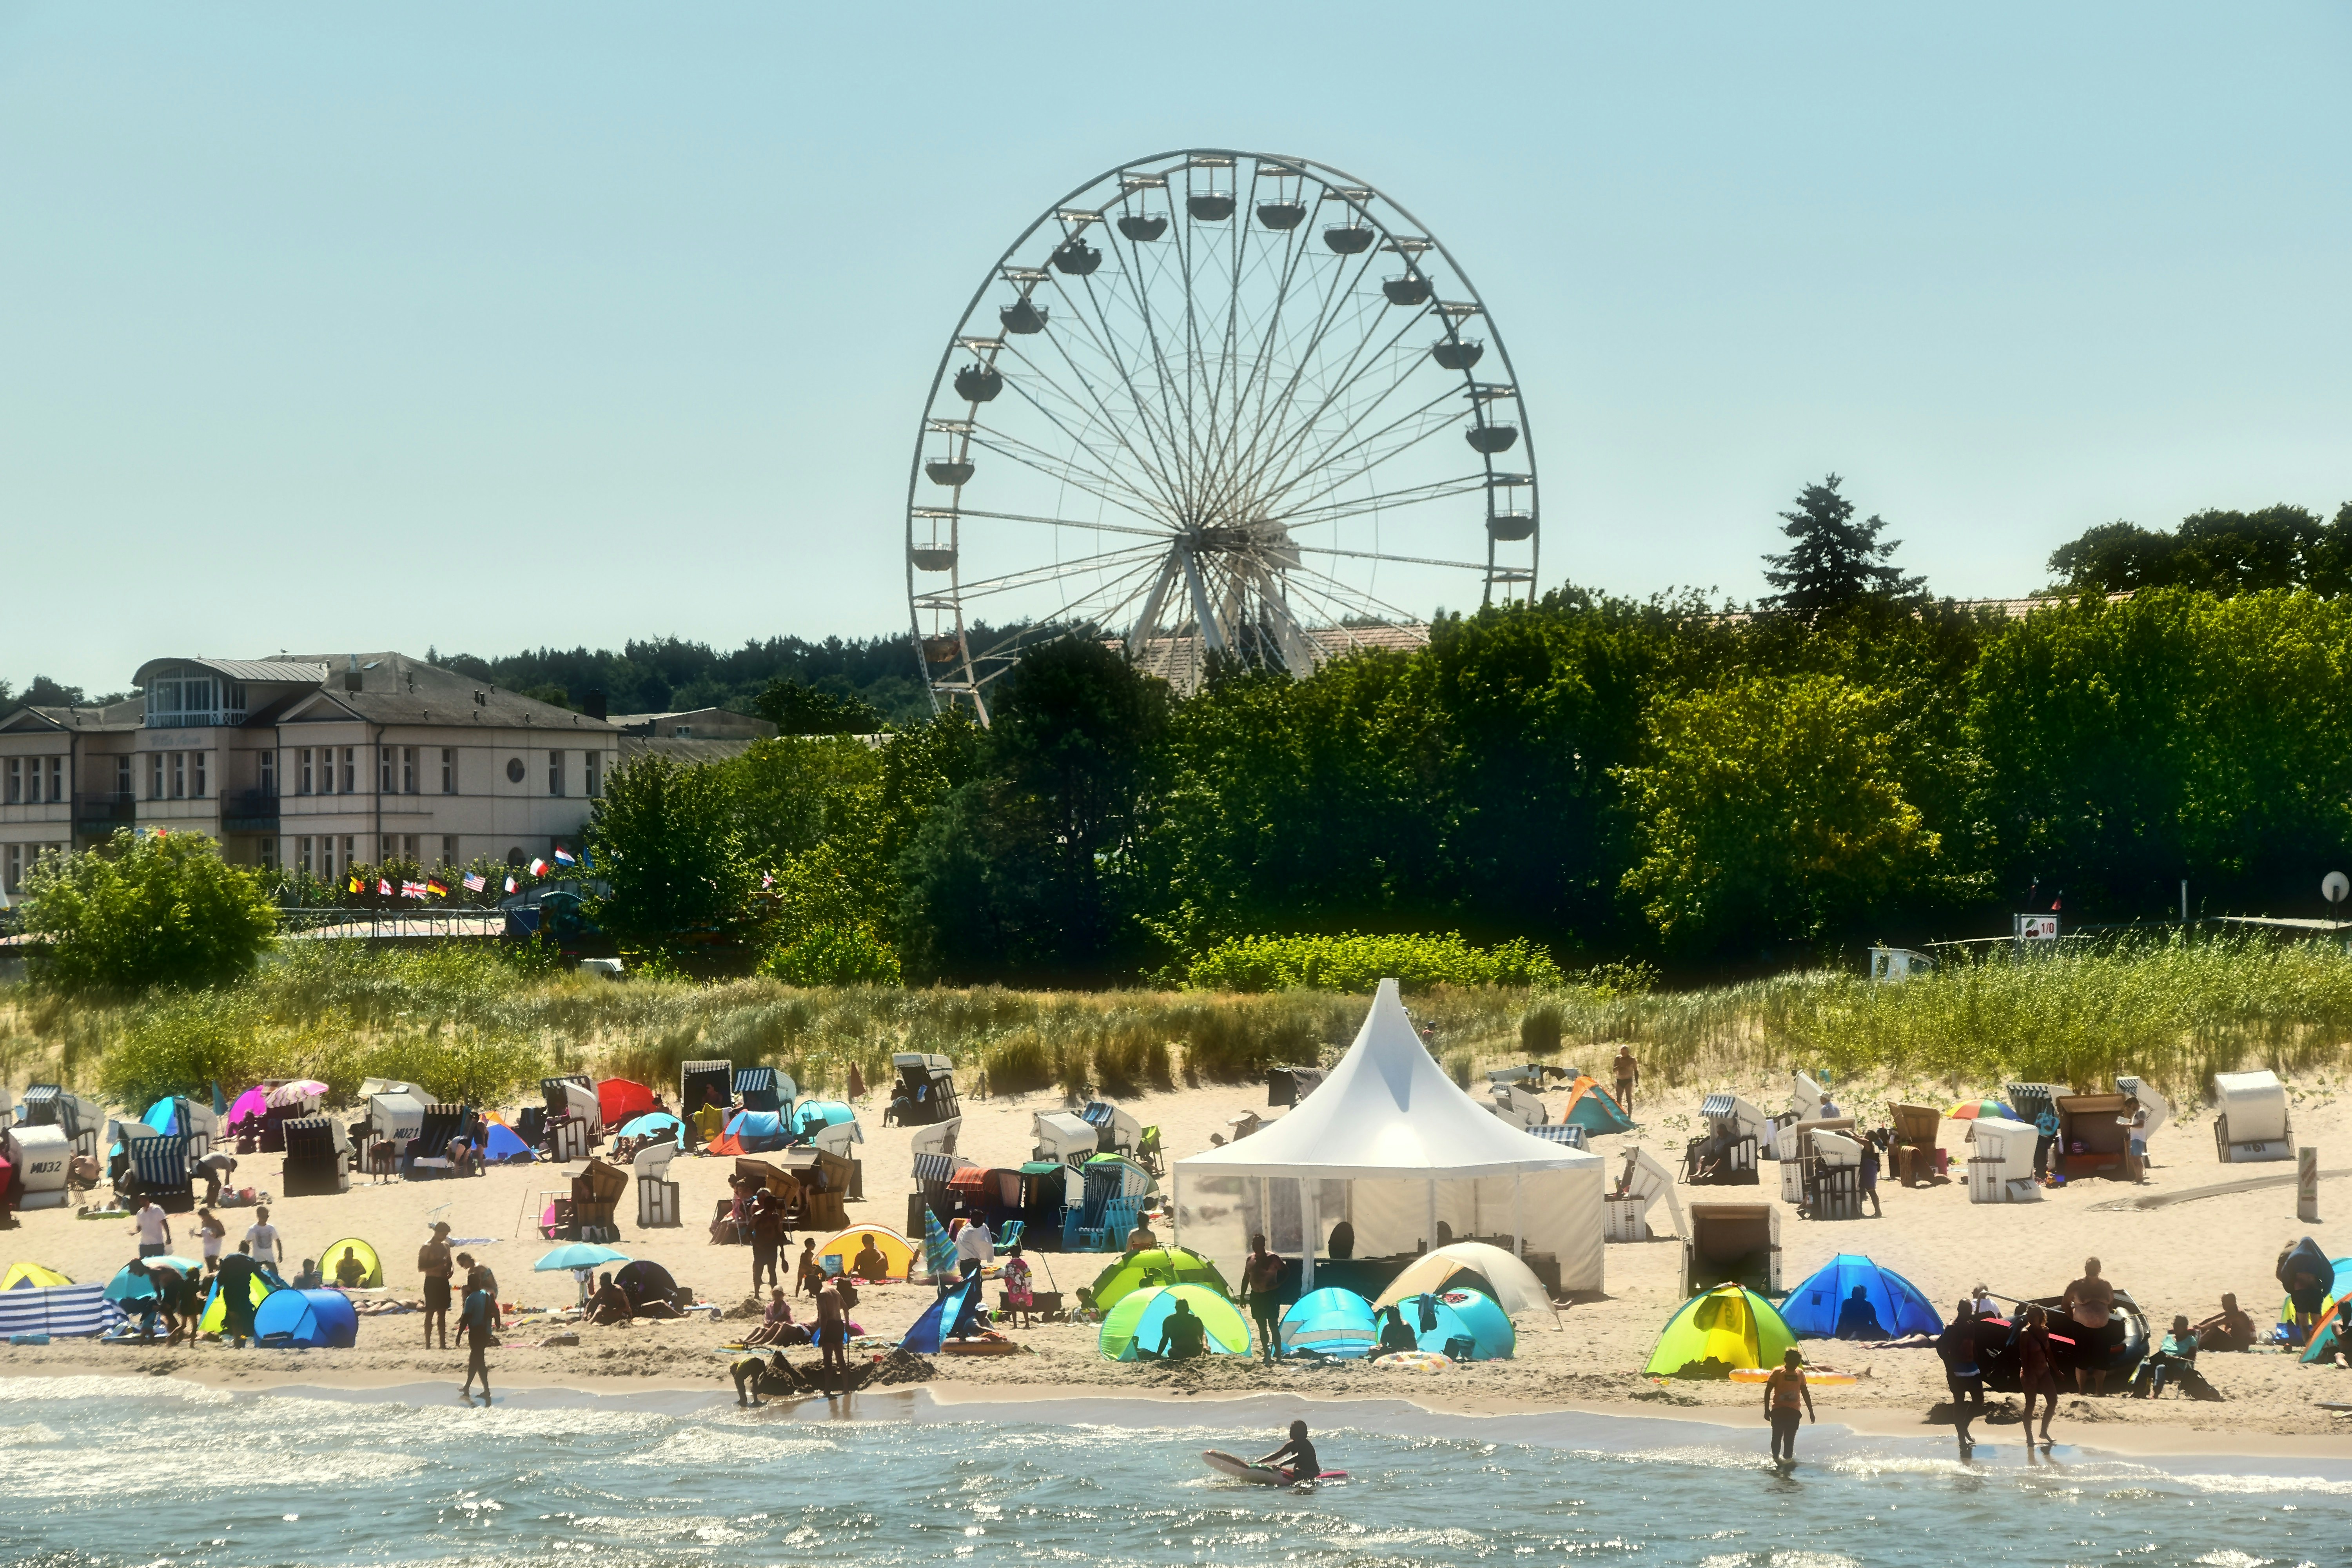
(307, 1319)
(1489, 1325)
(942, 1317)
(810, 1115)
(756, 1131)
(1591, 1107)
(1813, 1309)
(500, 1144)
(1331, 1322)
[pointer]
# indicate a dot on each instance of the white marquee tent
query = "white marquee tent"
(1393, 1146)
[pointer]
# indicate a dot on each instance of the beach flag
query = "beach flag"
(510, 882)
(565, 857)
(538, 867)
(437, 888)
(476, 882)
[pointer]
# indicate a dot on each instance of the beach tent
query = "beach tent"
(1155, 1265)
(1330, 1322)
(1812, 1309)
(1729, 1326)
(1392, 1144)
(618, 1099)
(1512, 1284)
(127, 1287)
(646, 1280)
(897, 1251)
(361, 1250)
(215, 1314)
(31, 1276)
(812, 1114)
(942, 1317)
(1138, 1323)
(61, 1312)
(1591, 1107)
(651, 1124)
(307, 1319)
(500, 1146)
(1490, 1327)
(751, 1132)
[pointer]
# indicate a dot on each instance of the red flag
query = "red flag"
(383, 887)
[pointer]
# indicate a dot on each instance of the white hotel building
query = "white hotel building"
(322, 762)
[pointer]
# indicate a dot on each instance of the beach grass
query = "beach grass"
(473, 1025)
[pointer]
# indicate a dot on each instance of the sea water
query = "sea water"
(103, 1471)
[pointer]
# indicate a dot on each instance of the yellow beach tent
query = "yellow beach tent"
(361, 1251)
(32, 1276)
(1729, 1326)
(216, 1316)
(896, 1249)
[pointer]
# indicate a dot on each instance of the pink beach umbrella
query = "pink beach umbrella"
(295, 1092)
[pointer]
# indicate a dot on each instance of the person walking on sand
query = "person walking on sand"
(812, 1272)
(269, 1251)
(2034, 1377)
(1261, 1283)
(1870, 1176)
(767, 1228)
(211, 1234)
(833, 1334)
(1788, 1400)
(2090, 1301)
(480, 1309)
(153, 1229)
(1962, 1375)
(1628, 1078)
(433, 1261)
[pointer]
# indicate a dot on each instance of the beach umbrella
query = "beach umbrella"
(253, 1104)
(1975, 1110)
(1138, 1322)
(31, 1276)
(295, 1092)
(1155, 1265)
(578, 1254)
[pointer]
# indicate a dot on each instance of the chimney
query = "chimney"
(352, 675)
(595, 702)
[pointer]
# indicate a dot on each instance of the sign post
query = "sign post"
(2306, 1184)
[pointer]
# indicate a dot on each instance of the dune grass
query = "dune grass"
(469, 1023)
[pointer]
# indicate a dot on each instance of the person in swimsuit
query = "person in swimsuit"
(2229, 1329)
(2034, 1377)
(832, 1331)
(1788, 1399)
(1296, 1458)
(1957, 1347)
(434, 1262)
(2090, 1301)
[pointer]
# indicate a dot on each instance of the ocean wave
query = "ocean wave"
(697, 1446)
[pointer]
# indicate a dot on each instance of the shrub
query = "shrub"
(828, 955)
(1540, 1030)
(1019, 1064)
(1357, 963)
(157, 910)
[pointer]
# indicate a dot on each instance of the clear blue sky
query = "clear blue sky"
(486, 327)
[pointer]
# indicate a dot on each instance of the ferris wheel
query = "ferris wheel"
(1215, 405)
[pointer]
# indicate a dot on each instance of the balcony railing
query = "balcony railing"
(99, 814)
(249, 811)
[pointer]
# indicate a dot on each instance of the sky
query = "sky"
(489, 328)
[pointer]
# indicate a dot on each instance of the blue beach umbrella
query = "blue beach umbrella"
(578, 1254)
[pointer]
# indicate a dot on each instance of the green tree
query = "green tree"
(148, 910)
(796, 709)
(797, 792)
(1834, 559)
(1771, 808)
(2220, 552)
(667, 843)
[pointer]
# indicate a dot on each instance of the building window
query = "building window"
(302, 772)
(350, 774)
(122, 785)
(449, 849)
(408, 770)
(269, 776)
(56, 781)
(408, 847)
(303, 850)
(196, 773)
(15, 780)
(387, 849)
(350, 850)
(595, 774)
(449, 770)
(384, 770)
(265, 852)
(555, 773)
(179, 775)
(155, 783)
(15, 874)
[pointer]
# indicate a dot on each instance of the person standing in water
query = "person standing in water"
(1787, 1401)
(2034, 1377)
(475, 1320)
(1296, 1457)
(1957, 1347)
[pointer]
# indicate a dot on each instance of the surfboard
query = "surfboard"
(1240, 1470)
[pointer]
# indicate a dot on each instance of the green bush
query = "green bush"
(1020, 1064)
(829, 954)
(1357, 963)
(148, 910)
(1539, 1029)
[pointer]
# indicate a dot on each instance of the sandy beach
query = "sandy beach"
(2176, 1254)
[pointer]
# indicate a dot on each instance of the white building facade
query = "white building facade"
(321, 763)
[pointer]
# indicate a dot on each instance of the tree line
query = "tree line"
(1851, 761)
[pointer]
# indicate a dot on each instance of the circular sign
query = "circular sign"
(2333, 886)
